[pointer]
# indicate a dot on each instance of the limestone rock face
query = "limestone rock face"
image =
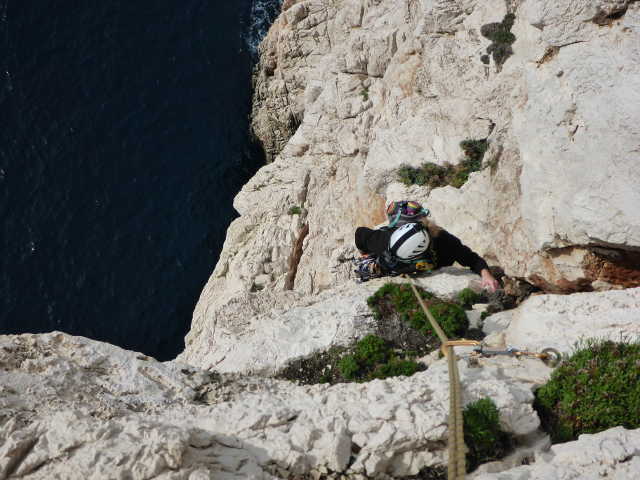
(75, 408)
(346, 92)
(247, 341)
(561, 321)
(611, 454)
(72, 407)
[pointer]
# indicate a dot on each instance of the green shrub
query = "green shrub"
(395, 367)
(474, 150)
(372, 349)
(459, 178)
(501, 40)
(597, 388)
(482, 433)
(435, 175)
(468, 297)
(399, 298)
(349, 367)
(429, 174)
(295, 210)
(451, 317)
(373, 358)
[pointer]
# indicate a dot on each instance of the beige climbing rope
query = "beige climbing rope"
(456, 469)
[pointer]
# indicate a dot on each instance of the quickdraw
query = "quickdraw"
(549, 356)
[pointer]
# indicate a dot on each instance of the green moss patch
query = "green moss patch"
(435, 175)
(597, 388)
(467, 298)
(501, 40)
(370, 358)
(374, 358)
(484, 438)
(398, 299)
(295, 210)
(474, 150)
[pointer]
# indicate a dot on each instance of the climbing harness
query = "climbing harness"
(366, 269)
(369, 267)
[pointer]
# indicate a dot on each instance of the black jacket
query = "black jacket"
(447, 248)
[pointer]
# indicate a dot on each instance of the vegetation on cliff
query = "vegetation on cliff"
(370, 358)
(434, 175)
(597, 388)
(374, 358)
(501, 40)
(399, 299)
(484, 438)
(403, 334)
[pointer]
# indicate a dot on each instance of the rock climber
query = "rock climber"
(411, 243)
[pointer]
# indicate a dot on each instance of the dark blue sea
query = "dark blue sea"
(124, 136)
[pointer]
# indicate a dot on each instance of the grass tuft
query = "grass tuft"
(468, 298)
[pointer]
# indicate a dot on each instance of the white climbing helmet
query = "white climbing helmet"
(409, 241)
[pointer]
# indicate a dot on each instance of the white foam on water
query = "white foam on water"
(263, 13)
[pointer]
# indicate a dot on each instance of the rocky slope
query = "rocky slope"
(346, 92)
(75, 408)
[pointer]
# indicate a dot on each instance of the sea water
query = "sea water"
(123, 140)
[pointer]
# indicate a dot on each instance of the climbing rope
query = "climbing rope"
(456, 469)
(457, 449)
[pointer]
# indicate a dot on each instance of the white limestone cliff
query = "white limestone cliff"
(75, 408)
(610, 454)
(346, 92)
(374, 85)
